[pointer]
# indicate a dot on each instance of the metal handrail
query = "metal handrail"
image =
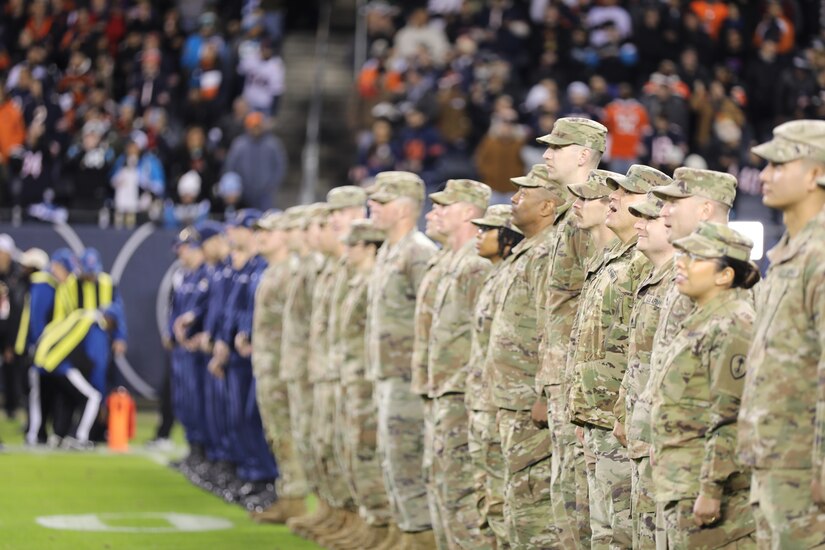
(311, 153)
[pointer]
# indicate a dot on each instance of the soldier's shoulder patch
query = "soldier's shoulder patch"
(738, 366)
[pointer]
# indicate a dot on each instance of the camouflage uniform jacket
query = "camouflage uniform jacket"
(696, 395)
(267, 320)
(339, 289)
(479, 396)
(393, 287)
(297, 311)
(514, 333)
(319, 321)
(634, 412)
(569, 254)
(352, 322)
(450, 334)
(602, 331)
(781, 423)
(424, 318)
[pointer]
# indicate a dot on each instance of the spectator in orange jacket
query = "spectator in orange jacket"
(12, 126)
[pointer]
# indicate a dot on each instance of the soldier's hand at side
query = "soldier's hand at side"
(539, 413)
(580, 434)
(706, 510)
(619, 433)
(816, 492)
(8, 355)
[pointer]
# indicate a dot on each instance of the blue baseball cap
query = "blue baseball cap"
(209, 229)
(66, 258)
(245, 218)
(90, 263)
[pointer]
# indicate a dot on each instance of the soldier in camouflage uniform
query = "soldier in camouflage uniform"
(423, 318)
(273, 401)
(632, 427)
(694, 196)
(305, 265)
(574, 148)
(449, 354)
(782, 400)
(512, 359)
(599, 357)
(344, 204)
(399, 268)
(701, 487)
(357, 420)
(497, 237)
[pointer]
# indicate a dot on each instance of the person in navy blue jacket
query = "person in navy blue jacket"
(189, 291)
(256, 466)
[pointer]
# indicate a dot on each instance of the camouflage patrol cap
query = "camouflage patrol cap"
(716, 240)
(540, 177)
(364, 231)
(395, 185)
(471, 191)
(316, 212)
(294, 217)
(650, 208)
(497, 215)
(271, 220)
(795, 140)
(596, 185)
(640, 179)
(346, 197)
(690, 182)
(576, 130)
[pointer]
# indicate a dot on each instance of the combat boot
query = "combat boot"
(393, 539)
(281, 511)
(298, 524)
(333, 524)
(345, 530)
(374, 536)
(355, 539)
(422, 540)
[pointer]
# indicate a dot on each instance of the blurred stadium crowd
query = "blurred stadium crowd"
(137, 109)
(456, 88)
(163, 110)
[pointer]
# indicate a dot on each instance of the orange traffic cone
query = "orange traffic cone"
(121, 419)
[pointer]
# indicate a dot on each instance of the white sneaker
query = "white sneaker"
(161, 444)
(74, 444)
(53, 441)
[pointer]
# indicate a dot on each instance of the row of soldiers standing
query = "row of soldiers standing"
(593, 367)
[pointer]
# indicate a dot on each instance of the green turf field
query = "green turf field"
(117, 493)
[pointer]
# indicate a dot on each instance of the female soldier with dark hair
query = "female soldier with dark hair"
(497, 236)
(702, 490)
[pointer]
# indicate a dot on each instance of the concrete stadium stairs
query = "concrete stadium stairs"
(337, 145)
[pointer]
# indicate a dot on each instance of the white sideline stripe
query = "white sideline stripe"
(97, 522)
